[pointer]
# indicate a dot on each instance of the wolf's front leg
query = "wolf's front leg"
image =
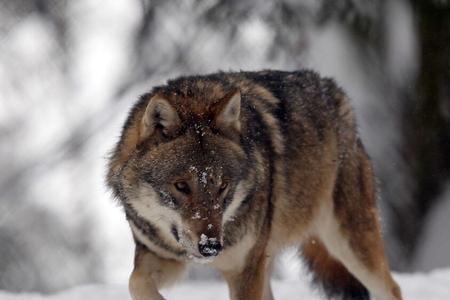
(150, 273)
(253, 281)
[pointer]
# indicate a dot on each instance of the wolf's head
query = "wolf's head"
(180, 166)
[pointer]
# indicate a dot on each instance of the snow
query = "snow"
(430, 286)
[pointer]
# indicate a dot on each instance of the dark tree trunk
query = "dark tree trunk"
(426, 119)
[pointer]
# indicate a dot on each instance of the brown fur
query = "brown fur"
(250, 163)
(332, 276)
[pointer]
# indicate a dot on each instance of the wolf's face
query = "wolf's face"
(190, 174)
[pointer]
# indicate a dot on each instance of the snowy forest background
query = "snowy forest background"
(70, 70)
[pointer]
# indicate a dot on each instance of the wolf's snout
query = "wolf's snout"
(209, 246)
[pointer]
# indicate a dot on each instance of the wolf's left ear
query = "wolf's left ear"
(159, 114)
(229, 113)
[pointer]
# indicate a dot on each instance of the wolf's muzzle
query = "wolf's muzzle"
(210, 247)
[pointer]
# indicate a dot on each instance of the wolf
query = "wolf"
(231, 168)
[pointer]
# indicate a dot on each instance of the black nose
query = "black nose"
(209, 247)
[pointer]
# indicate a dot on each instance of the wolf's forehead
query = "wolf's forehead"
(205, 173)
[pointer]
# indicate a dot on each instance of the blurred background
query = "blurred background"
(70, 70)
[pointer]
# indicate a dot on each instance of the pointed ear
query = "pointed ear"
(159, 113)
(229, 113)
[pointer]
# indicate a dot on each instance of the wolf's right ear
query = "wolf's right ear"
(159, 114)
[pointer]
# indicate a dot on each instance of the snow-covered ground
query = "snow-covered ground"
(431, 286)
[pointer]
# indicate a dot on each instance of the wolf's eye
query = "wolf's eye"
(182, 187)
(223, 187)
